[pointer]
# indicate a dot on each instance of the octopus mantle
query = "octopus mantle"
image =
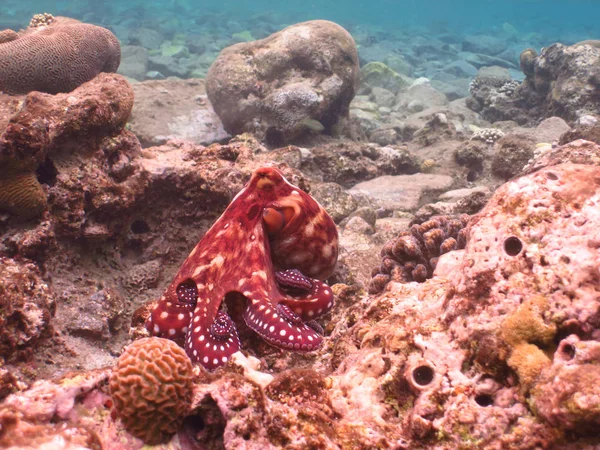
(273, 245)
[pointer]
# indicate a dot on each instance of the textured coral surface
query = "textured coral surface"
(26, 307)
(151, 387)
(56, 58)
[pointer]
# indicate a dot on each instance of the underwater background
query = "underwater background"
(299, 225)
(522, 24)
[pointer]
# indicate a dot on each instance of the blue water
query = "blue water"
(549, 18)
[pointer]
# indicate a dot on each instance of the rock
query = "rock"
(382, 97)
(384, 136)
(358, 225)
(488, 45)
(168, 66)
(377, 74)
(437, 128)
(146, 37)
(550, 130)
(460, 69)
(511, 154)
(399, 65)
(134, 62)
(306, 71)
(453, 89)
(586, 127)
(98, 317)
(174, 109)
(27, 305)
(418, 97)
(369, 121)
(347, 163)
(404, 192)
(573, 378)
(338, 203)
(578, 152)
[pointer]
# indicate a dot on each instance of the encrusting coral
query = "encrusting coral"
(151, 386)
(56, 55)
(413, 255)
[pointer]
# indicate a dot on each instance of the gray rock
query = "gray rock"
(418, 97)
(134, 62)
(338, 202)
(550, 130)
(369, 121)
(404, 192)
(460, 69)
(271, 86)
(174, 109)
(377, 74)
(168, 66)
(488, 45)
(146, 37)
(399, 65)
(384, 136)
(382, 97)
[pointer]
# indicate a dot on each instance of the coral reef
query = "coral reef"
(151, 386)
(56, 55)
(41, 20)
(40, 136)
(271, 87)
(414, 254)
(487, 135)
(561, 81)
(27, 305)
(269, 213)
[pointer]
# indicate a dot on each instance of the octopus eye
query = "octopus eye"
(276, 219)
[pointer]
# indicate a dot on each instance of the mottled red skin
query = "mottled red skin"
(241, 252)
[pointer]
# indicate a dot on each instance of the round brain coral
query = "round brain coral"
(151, 386)
(56, 57)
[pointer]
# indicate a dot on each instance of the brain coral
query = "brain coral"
(56, 58)
(151, 387)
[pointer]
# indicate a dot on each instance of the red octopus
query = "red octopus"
(272, 245)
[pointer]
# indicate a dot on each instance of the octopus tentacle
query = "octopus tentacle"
(215, 343)
(170, 320)
(293, 280)
(277, 330)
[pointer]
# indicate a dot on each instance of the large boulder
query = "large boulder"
(279, 86)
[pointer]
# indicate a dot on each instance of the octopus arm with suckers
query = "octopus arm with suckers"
(274, 244)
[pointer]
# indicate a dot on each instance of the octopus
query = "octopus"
(271, 248)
